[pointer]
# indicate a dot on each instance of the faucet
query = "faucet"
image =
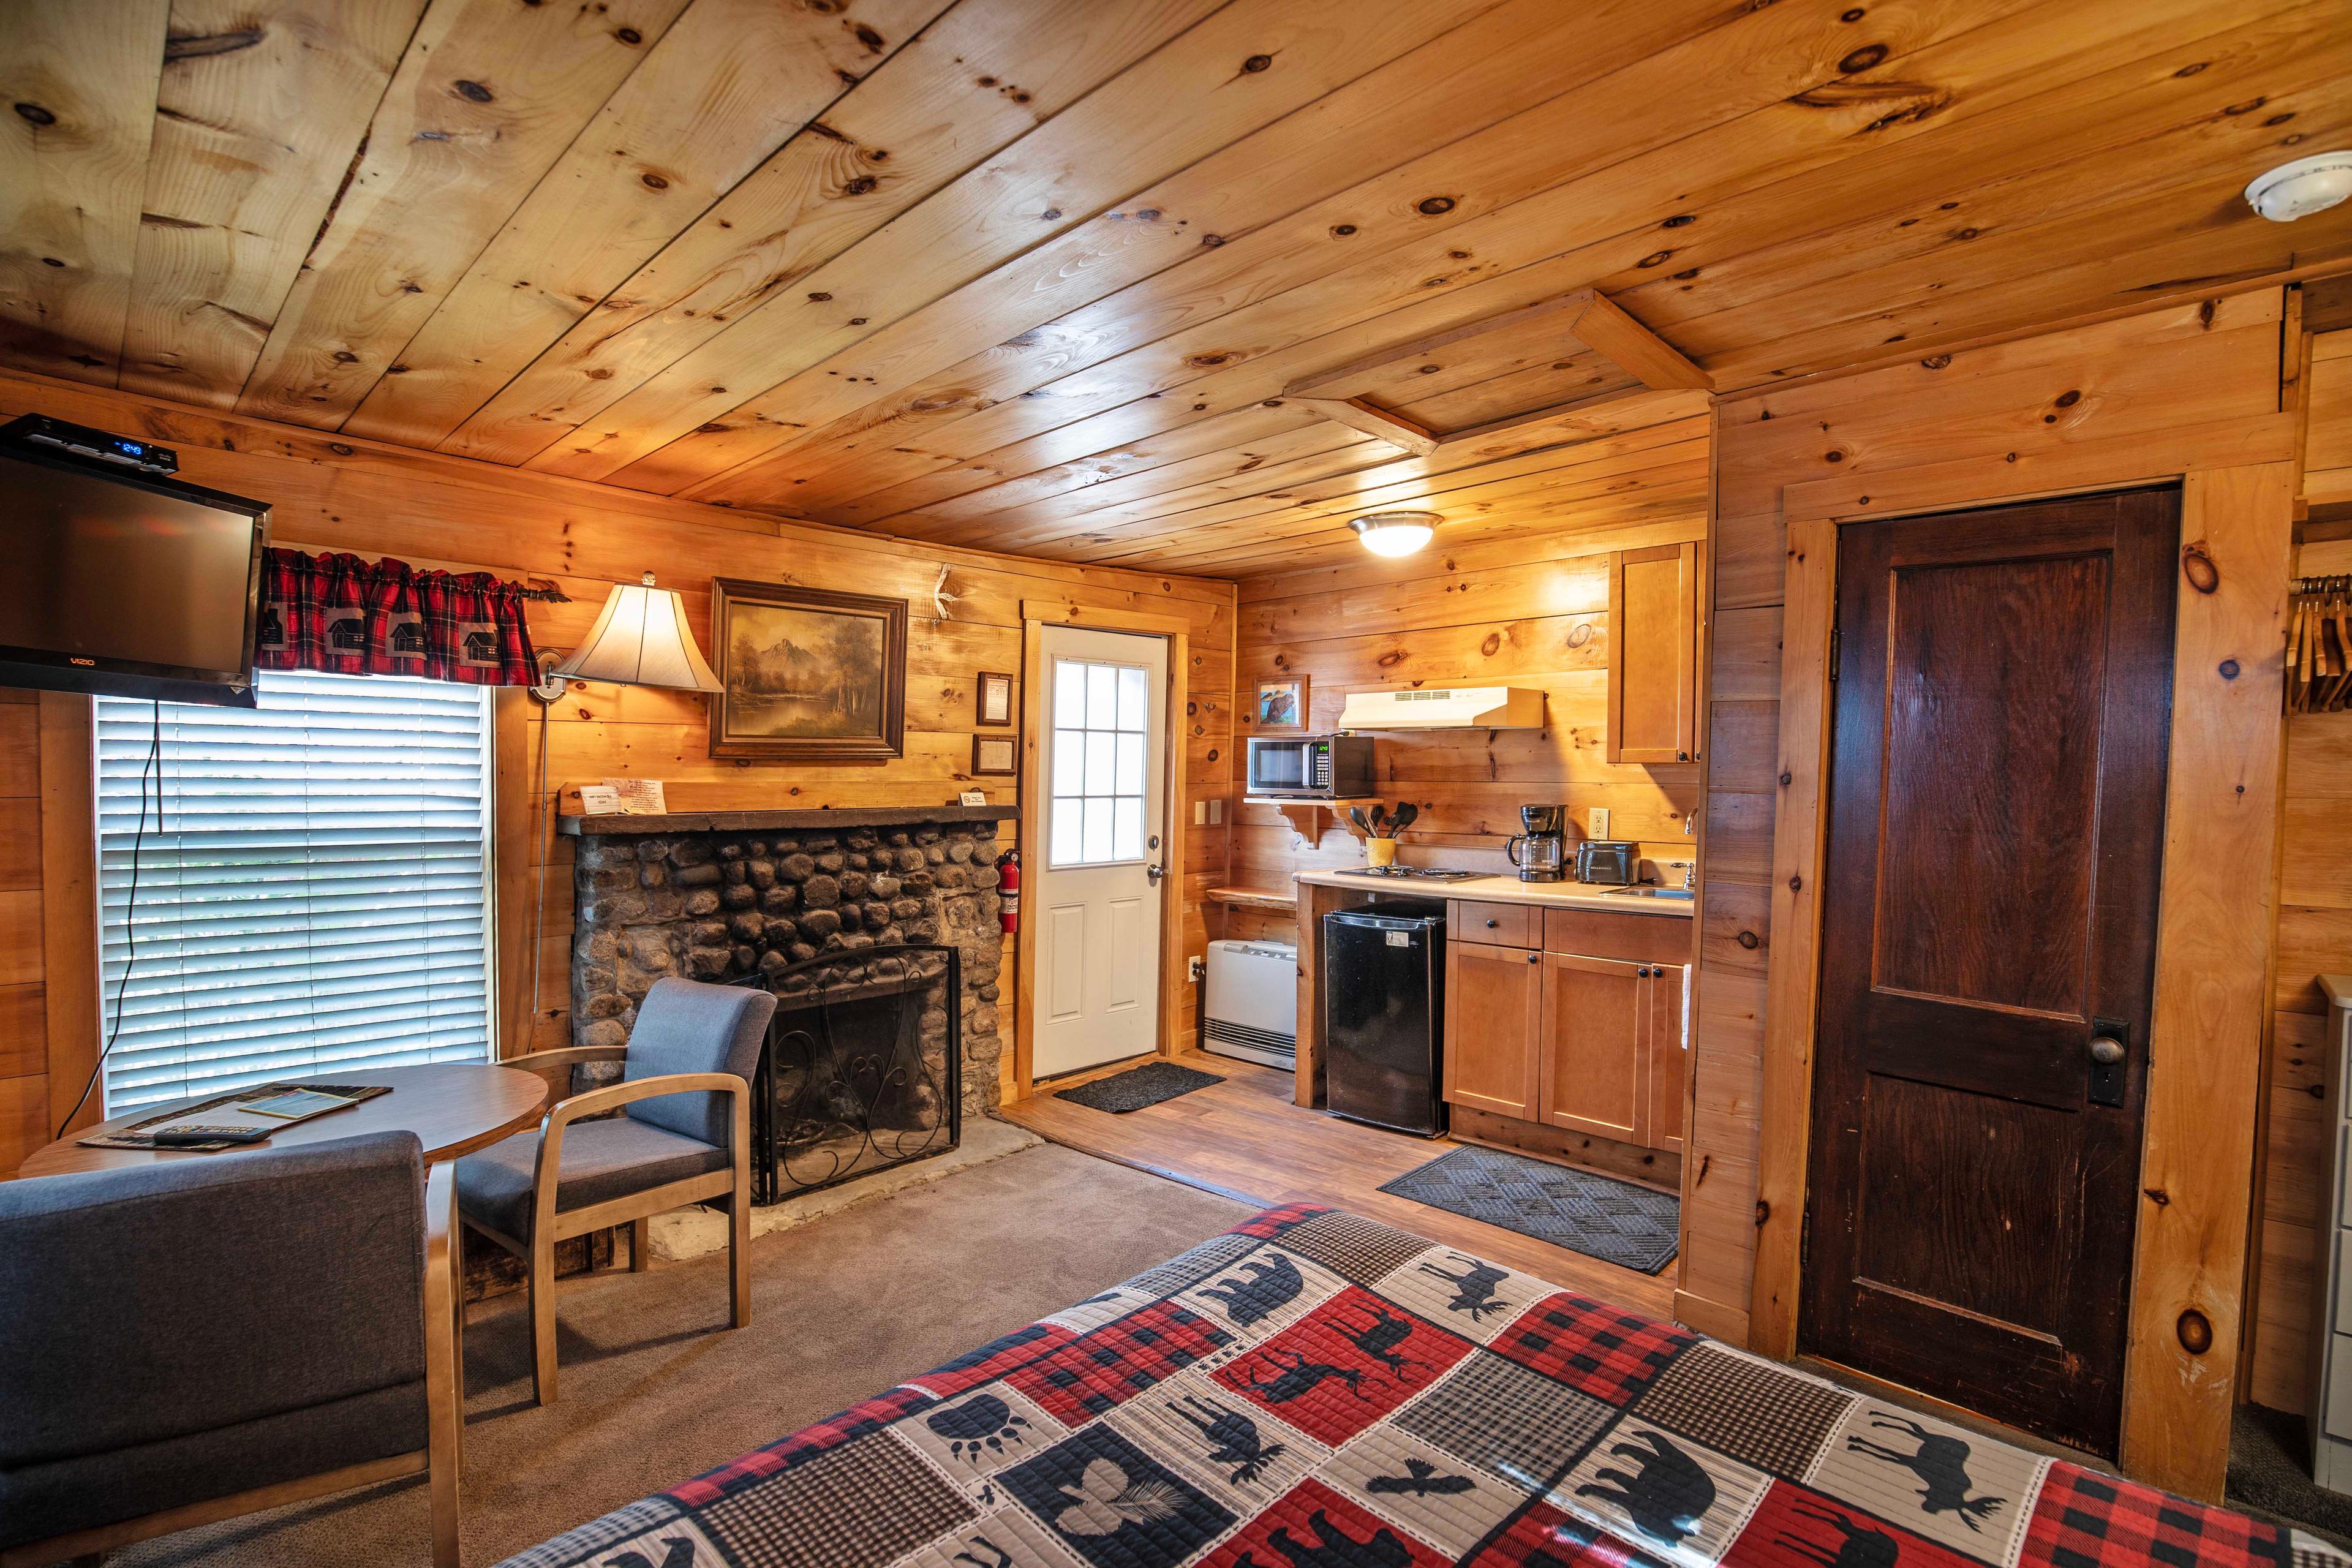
(1690, 874)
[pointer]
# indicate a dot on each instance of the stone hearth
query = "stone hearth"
(721, 896)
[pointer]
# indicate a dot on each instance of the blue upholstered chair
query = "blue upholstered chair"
(684, 1135)
(183, 1341)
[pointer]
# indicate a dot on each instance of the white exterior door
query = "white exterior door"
(1104, 747)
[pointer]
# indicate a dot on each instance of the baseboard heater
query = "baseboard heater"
(1251, 1008)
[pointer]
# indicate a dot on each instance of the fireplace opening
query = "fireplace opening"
(863, 1067)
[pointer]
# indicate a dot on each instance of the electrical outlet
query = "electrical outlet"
(1597, 822)
(1195, 967)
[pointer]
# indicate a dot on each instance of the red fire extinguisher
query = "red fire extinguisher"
(1008, 889)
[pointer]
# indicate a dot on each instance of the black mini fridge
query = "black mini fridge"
(1383, 1016)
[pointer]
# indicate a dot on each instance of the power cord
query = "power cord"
(154, 766)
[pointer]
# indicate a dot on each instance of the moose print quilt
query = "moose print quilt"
(1313, 1390)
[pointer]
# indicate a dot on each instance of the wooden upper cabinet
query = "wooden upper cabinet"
(1594, 1071)
(1494, 1012)
(1654, 654)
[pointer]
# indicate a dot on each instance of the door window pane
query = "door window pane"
(1101, 713)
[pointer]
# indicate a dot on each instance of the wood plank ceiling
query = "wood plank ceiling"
(1034, 274)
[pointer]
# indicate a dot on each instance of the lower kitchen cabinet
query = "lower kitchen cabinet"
(1590, 1044)
(1493, 1013)
(1592, 1064)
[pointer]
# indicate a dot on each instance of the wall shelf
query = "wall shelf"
(1305, 816)
(1284, 899)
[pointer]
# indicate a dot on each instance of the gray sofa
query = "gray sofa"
(193, 1339)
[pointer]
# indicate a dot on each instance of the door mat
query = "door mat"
(1139, 1087)
(1582, 1211)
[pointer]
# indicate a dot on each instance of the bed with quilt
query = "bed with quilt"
(1313, 1390)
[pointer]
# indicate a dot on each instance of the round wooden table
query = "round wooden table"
(453, 1109)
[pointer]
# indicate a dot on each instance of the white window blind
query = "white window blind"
(315, 895)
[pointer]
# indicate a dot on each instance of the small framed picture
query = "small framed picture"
(1282, 704)
(994, 755)
(995, 700)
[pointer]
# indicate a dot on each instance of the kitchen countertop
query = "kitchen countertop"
(1508, 891)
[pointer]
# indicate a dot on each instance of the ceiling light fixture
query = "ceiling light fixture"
(1396, 533)
(2299, 189)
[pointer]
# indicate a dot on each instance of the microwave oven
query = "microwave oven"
(1310, 767)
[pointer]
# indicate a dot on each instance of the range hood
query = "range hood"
(1450, 708)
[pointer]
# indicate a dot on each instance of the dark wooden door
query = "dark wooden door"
(1996, 822)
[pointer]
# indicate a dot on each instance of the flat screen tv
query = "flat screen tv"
(132, 584)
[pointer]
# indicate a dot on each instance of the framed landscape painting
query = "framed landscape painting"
(806, 675)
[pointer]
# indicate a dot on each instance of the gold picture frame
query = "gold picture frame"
(805, 675)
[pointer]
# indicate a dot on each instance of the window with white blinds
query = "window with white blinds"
(315, 894)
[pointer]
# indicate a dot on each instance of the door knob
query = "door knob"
(1153, 873)
(2106, 1050)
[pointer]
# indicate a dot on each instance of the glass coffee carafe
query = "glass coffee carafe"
(1541, 851)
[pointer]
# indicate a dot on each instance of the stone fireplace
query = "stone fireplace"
(729, 895)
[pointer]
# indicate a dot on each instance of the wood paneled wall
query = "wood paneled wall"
(48, 920)
(332, 493)
(2176, 391)
(2315, 937)
(1525, 610)
(24, 1012)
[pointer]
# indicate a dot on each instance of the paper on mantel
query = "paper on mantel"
(635, 797)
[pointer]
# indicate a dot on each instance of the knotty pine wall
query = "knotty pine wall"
(330, 493)
(23, 1002)
(1527, 610)
(2136, 377)
(2314, 938)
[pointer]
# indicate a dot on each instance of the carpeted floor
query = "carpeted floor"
(653, 1390)
(2270, 1474)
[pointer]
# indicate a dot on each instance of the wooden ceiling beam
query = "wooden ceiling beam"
(1357, 414)
(1347, 481)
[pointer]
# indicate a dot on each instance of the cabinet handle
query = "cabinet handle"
(1534, 958)
(1492, 924)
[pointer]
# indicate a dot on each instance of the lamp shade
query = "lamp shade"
(641, 639)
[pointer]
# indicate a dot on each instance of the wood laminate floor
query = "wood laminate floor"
(1245, 1139)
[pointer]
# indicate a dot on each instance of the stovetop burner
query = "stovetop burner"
(1412, 873)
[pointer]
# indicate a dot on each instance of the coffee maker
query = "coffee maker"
(1541, 850)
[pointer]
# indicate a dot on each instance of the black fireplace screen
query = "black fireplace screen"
(863, 1069)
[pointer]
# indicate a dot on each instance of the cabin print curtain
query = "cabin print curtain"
(346, 615)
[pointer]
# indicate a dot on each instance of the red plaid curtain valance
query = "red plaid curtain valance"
(349, 616)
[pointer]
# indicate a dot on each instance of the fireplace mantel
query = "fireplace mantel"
(573, 825)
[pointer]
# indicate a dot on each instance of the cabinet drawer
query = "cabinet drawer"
(1636, 938)
(1507, 925)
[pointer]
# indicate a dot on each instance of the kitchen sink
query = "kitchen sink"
(1649, 893)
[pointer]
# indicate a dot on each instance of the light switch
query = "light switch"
(1200, 814)
(1597, 822)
